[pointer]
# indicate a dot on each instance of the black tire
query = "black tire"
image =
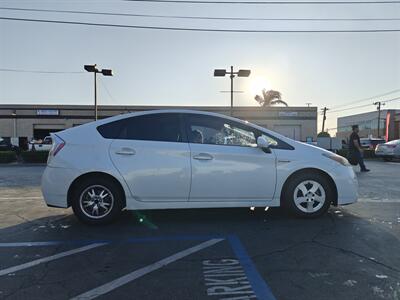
(81, 195)
(288, 195)
(388, 159)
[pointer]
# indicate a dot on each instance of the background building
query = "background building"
(368, 124)
(24, 122)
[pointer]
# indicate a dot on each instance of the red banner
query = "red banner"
(387, 126)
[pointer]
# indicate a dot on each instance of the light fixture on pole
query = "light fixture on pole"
(240, 73)
(105, 72)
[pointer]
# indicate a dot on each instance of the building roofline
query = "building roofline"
(147, 107)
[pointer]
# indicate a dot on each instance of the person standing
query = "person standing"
(355, 148)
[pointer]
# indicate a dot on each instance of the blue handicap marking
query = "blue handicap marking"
(260, 287)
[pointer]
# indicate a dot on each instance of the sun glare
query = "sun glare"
(257, 84)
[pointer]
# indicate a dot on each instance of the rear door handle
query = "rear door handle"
(203, 156)
(126, 151)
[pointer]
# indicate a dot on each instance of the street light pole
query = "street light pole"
(14, 114)
(105, 72)
(95, 96)
(232, 74)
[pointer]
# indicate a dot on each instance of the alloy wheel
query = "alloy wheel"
(309, 196)
(96, 201)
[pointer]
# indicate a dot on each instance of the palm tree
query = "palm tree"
(270, 98)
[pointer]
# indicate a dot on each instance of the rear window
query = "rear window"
(163, 127)
(111, 130)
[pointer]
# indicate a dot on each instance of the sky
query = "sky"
(159, 67)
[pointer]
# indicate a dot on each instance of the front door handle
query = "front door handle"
(125, 151)
(203, 156)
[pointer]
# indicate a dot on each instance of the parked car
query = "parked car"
(44, 145)
(7, 146)
(371, 143)
(173, 159)
(388, 151)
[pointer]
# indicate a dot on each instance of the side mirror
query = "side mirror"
(263, 144)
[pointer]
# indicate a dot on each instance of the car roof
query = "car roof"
(97, 123)
(183, 111)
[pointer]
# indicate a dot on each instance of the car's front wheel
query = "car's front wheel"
(97, 201)
(308, 195)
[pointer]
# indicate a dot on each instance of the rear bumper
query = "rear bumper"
(55, 185)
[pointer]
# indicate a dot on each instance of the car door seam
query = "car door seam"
(119, 172)
(191, 172)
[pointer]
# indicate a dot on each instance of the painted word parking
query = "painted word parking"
(226, 279)
(231, 278)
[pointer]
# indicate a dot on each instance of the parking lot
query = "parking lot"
(353, 252)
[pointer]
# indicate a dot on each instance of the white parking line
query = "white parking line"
(19, 198)
(48, 258)
(28, 244)
(101, 290)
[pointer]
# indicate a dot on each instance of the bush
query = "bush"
(7, 156)
(35, 156)
(323, 134)
(343, 152)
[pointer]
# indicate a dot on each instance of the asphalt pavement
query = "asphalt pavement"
(353, 252)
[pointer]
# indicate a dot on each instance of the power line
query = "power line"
(382, 102)
(197, 29)
(194, 17)
(365, 105)
(366, 99)
(390, 100)
(106, 89)
(38, 71)
(268, 2)
(349, 108)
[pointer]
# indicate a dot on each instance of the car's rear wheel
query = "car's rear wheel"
(308, 195)
(387, 159)
(97, 201)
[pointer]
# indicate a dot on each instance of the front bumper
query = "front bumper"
(347, 185)
(384, 154)
(55, 185)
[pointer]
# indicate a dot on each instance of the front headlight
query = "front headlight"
(340, 159)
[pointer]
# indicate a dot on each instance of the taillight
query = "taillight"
(58, 144)
(58, 148)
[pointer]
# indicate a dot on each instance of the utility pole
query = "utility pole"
(379, 103)
(324, 118)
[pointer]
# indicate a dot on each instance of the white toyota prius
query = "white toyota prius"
(169, 159)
